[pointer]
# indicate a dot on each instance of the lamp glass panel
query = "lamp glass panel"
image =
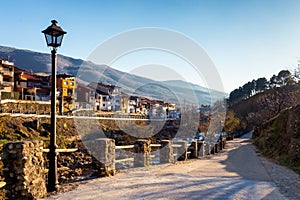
(59, 40)
(49, 39)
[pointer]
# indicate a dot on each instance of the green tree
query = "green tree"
(261, 85)
(232, 123)
(284, 77)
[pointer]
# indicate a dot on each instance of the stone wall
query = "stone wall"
(24, 170)
(25, 107)
(103, 153)
(24, 162)
(142, 152)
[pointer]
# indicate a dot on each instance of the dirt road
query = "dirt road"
(236, 173)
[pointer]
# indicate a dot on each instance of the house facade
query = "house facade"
(85, 97)
(66, 86)
(30, 86)
(107, 97)
(6, 79)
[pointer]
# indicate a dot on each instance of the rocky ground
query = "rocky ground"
(236, 173)
(286, 180)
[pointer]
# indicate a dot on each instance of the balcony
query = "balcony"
(7, 84)
(7, 73)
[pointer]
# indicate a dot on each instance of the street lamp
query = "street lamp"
(54, 35)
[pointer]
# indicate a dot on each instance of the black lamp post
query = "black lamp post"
(54, 35)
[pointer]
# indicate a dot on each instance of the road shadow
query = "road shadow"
(252, 183)
(245, 162)
(176, 186)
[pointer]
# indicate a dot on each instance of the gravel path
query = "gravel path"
(236, 173)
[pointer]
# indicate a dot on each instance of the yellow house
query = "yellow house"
(66, 86)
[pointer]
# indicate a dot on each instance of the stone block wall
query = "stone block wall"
(103, 152)
(182, 151)
(24, 170)
(142, 150)
(26, 108)
(166, 152)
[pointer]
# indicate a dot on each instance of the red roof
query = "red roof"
(30, 77)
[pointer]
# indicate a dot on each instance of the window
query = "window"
(72, 83)
(70, 91)
(65, 83)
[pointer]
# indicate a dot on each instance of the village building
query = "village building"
(107, 97)
(20, 84)
(124, 103)
(6, 79)
(66, 86)
(30, 86)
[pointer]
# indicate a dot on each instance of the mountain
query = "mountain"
(175, 91)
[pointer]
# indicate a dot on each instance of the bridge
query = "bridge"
(238, 172)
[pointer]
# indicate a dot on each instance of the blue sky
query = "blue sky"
(245, 39)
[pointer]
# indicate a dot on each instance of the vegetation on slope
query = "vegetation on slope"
(279, 138)
(273, 111)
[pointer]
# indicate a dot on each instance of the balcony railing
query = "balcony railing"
(7, 84)
(7, 73)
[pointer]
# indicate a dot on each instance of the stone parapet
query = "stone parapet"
(103, 152)
(24, 170)
(166, 152)
(142, 150)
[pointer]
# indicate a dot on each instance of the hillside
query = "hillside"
(274, 115)
(265, 105)
(89, 72)
(279, 138)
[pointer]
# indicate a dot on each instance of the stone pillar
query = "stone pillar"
(142, 152)
(208, 149)
(166, 152)
(103, 151)
(201, 149)
(24, 170)
(36, 123)
(221, 144)
(216, 148)
(194, 149)
(182, 151)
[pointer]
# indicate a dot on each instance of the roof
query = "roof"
(6, 62)
(43, 74)
(43, 89)
(64, 76)
(83, 87)
(102, 88)
(29, 77)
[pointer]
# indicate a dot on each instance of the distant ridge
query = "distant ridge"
(86, 71)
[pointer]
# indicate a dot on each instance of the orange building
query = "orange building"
(66, 86)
